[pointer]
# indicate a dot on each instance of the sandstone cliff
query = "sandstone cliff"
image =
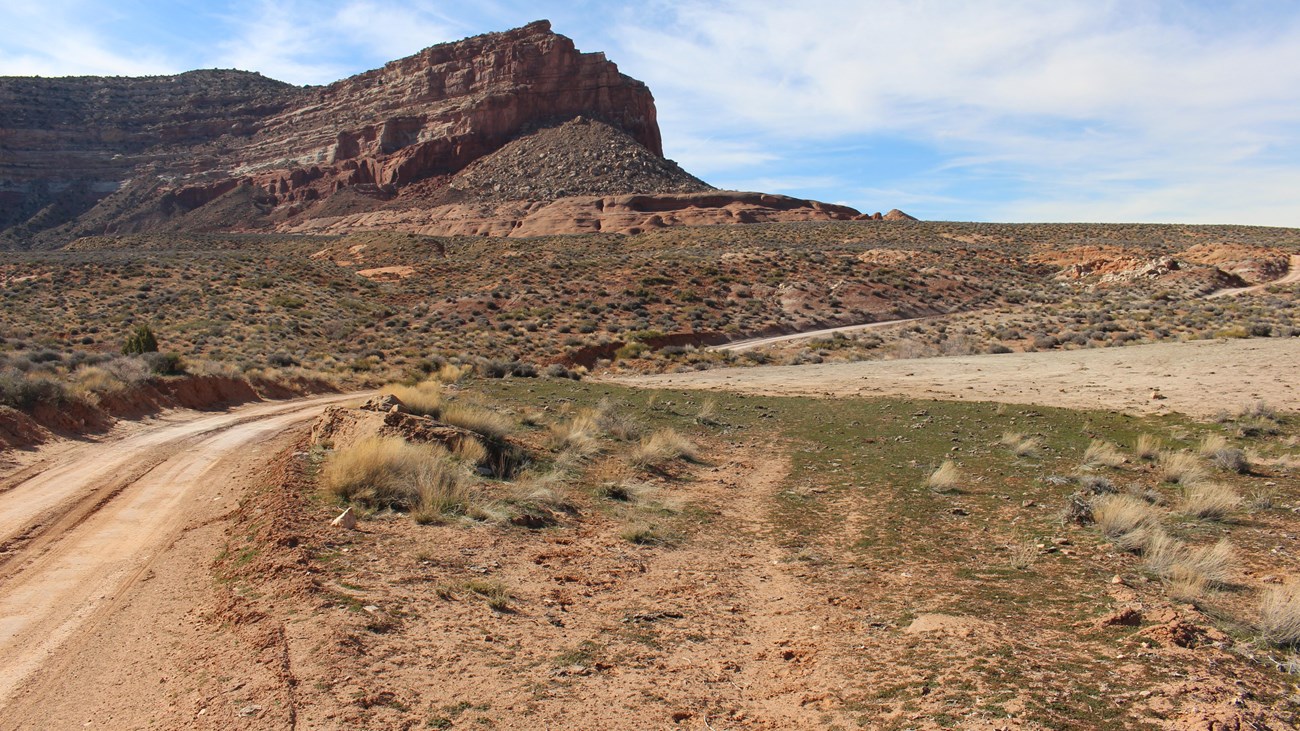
(484, 127)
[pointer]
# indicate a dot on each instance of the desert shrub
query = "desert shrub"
(520, 369)
(1180, 468)
(480, 421)
(96, 380)
(1102, 454)
(388, 472)
(1078, 509)
(1279, 616)
(662, 447)
(614, 420)
(470, 451)
(1209, 500)
(946, 478)
(164, 364)
(1232, 460)
(24, 391)
(1122, 514)
(557, 370)
(423, 399)
(140, 340)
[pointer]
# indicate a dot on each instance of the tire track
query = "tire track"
(94, 537)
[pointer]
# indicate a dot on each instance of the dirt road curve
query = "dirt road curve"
(77, 531)
(1292, 277)
(1198, 378)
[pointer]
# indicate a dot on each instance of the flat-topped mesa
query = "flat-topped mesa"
(520, 117)
(439, 110)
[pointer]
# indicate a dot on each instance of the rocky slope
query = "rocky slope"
(486, 120)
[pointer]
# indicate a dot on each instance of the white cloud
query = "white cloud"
(317, 43)
(1049, 93)
(54, 39)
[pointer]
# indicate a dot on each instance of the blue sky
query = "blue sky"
(1003, 110)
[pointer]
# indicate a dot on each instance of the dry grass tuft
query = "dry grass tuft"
(450, 373)
(1161, 552)
(1210, 500)
(645, 534)
(1180, 468)
(708, 414)
(1184, 587)
(391, 473)
(493, 592)
(1023, 556)
(1279, 616)
(1147, 447)
(1122, 514)
(422, 399)
(1214, 564)
(614, 420)
(946, 478)
(1212, 443)
(470, 451)
(662, 447)
(1102, 454)
(490, 424)
(578, 436)
(1021, 445)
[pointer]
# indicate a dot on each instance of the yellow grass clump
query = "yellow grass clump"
(1181, 468)
(1209, 500)
(481, 421)
(388, 472)
(1147, 447)
(1102, 454)
(1120, 514)
(662, 447)
(946, 478)
(1279, 616)
(422, 399)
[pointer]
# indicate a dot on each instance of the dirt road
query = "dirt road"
(741, 346)
(1292, 277)
(77, 531)
(1198, 378)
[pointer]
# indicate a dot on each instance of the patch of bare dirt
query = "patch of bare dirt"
(1197, 378)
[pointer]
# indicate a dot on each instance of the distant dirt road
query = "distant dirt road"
(741, 346)
(1198, 378)
(79, 530)
(1292, 277)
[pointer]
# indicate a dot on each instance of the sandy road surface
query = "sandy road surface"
(1292, 277)
(741, 346)
(1198, 378)
(77, 531)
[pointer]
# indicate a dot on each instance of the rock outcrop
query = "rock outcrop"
(485, 127)
(623, 214)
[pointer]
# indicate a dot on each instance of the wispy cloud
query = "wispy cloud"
(316, 43)
(55, 39)
(1108, 92)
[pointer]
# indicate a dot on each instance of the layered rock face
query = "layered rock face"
(484, 122)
